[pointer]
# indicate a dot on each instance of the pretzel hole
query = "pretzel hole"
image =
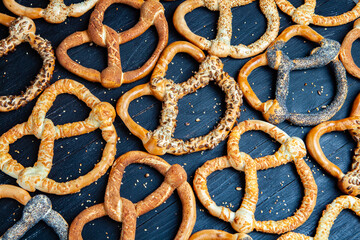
(69, 2)
(354, 50)
(296, 3)
(102, 228)
(10, 213)
(332, 7)
(33, 4)
(299, 47)
(121, 17)
(181, 68)
(40, 229)
(262, 81)
(25, 150)
(203, 22)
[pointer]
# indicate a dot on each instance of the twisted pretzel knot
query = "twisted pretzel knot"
(305, 15)
(221, 45)
(151, 13)
(36, 209)
(22, 29)
(275, 111)
(123, 210)
(101, 116)
(243, 220)
(160, 141)
(349, 183)
(55, 12)
(327, 220)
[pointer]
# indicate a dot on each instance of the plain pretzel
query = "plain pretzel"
(221, 46)
(22, 29)
(151, 13)
(101, 116)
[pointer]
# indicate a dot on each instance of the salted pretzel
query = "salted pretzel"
(151, 13)
(160, 141)
(55, 12)
(243, 220)
(36, 209)
(305, 14)
(349, 183)
(345, 50)
(328, 217)
(22, 29)
(101, 117)
(275, 111)
(123, 210)
(221, 45)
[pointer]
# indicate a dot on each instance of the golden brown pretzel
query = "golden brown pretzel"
(221, 46)
(101, 116)
(55, 12)
(151, 13)
(218, 235)
(305, 15)
(243, 220)
(160, 141)
(21, 30)
(275, 110)
(123, 210)
(349, 183)
(345, 50)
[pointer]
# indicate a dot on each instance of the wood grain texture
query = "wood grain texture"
(280, 188)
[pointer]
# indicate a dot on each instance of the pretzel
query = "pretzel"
(345, 50)
(243, 220)
(55, 12)
(218, 235)
(101, 116)
(328, 217)
(22, 29)
(151, 13)
(275, 111)
(221, 45)
(305, 15)
(123, 210)
(160, 141)
(36, 209)
(349, 183)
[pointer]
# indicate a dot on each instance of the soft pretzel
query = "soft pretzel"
(275, 111)
(221, 45)
(243, 220)
(328, 217)
(123, 210)
(22, 29)
(55, 12)
(305, 14)
(151, 13)
(345, 50)
(349, 183)
(36, 209)
(101, 116)
(160, 141)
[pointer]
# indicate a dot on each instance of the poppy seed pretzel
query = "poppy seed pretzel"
(151, 13)
(328, 217)
(160, 141)
(123, 210)
(349, 183)
(243, 220)
(275, 110)
(305, 14)
(36, 209)
(101, 116)
(221, 46)
(55, 12)
(22, 29)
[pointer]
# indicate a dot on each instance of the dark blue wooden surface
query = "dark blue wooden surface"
(280, 188)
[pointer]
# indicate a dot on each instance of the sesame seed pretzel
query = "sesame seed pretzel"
(243, 220)
(345, 50)
(123, 210)
(328, 217)
(160, 141)
(22, 29)
(221, 45)
(151, 13)
(55, 12)
(305, 14)
(101, 117)
(36, 209)
(349, 183)
(275, 111)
